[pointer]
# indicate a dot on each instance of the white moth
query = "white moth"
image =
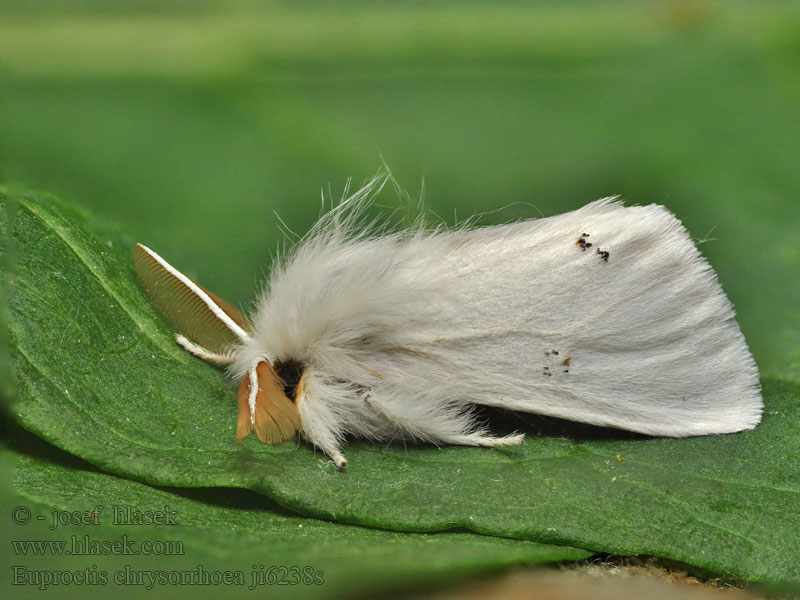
(606, 315)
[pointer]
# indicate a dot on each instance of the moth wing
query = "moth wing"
(607, 315)
(633, 331)
(276, 417)
(200, 315)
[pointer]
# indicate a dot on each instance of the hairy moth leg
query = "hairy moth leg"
(200, 352)
(320, 424)
(439, 424)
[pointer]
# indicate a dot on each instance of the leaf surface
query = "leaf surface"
(100, 377)
(240, 532)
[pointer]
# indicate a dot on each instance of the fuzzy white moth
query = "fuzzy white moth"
(606, 315)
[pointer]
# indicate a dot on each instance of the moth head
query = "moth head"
(214, 330)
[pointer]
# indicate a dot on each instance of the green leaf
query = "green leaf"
(239, 531)
(99, 376)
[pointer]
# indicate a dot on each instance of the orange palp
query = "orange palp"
(276, 417)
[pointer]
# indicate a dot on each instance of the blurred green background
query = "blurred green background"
(189, 123)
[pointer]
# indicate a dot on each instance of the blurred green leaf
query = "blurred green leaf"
(100, 376)
(240, 532)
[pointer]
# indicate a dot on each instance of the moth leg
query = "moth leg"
(200, 352)
(320, 425)
(482, 439)
(440, 425)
